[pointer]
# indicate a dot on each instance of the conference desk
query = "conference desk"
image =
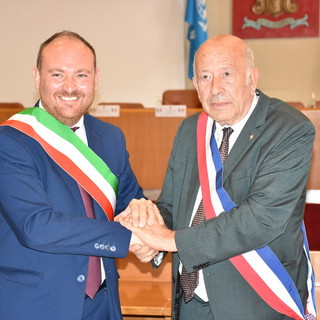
(314, 177)
(149, 142)
(312, 208)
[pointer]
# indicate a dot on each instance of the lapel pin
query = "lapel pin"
(251, 136)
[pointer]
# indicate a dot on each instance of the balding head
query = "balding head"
(230, 43)
(225, 78)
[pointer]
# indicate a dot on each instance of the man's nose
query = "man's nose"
(69, 84)
(216, 86)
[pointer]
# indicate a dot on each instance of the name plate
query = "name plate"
(105, 110)
(171, 111)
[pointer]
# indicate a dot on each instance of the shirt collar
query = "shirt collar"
(239, 125)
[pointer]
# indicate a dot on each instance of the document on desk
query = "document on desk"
(171, 111)
(102, 110)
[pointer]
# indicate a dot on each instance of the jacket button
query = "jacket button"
(81, 278)
(96, 245)
(113, 248)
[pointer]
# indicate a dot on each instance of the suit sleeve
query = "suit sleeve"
(40, 208)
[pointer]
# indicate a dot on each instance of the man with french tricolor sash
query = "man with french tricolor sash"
(233, 198)
(64, 175)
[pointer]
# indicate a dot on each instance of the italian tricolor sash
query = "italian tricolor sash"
(71, 154)
(260, 268)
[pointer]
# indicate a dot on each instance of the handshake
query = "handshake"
(149, 232)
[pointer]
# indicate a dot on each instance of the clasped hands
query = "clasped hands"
(149, 232)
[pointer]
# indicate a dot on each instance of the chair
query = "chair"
(124, 105)
(8, 109)
(11, 105)
(295, 104)
(188, 97)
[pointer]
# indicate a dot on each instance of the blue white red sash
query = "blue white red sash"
(71, 154)
(261, 268)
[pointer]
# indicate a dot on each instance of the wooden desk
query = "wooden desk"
(311, 214)
(145, 293)
(149, 142)
(314, 180)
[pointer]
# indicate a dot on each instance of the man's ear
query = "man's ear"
(36, 77)
(254, 80)
(96, 80)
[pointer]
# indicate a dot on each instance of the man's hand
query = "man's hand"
(142, 251)
(140, 213)
(157, 236)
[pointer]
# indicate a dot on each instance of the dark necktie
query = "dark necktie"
(94, 267)
(190, 281)
(224, 146)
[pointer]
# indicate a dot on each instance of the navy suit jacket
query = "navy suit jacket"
(45, 236)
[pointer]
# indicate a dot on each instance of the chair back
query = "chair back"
(11, 105)
(8, 109)
(296, 104)
(188, 97)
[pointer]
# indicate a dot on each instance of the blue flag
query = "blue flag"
(196, 17)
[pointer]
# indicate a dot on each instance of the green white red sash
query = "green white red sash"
(261, 268)
(71, 154)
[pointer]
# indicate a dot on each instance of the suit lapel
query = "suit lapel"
(190, 184)
(248, 135)
(95, 141)
(188, 193)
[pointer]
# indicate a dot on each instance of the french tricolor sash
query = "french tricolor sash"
(260, 268)
(71, 154)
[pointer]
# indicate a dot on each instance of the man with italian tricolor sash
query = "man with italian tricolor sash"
(64, 175)
(233, 198)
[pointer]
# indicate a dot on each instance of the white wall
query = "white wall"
(141, 48)
(289, 67)
(139, 45)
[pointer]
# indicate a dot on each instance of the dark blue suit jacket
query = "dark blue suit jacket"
(45, 237)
